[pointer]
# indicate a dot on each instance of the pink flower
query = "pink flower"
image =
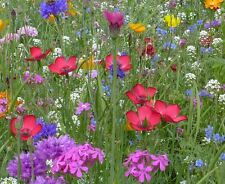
(160, 162)
(83, 107)
(143, 173)
(115, 20)
(28, 30)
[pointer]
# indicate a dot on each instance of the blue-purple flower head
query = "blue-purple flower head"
(48, 129)
(48, 180)
(55, 8)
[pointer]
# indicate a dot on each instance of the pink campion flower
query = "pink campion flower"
(143, 173)
(38, 79)
(83, 107)
(115, 20)
(78, 160)
(160, 162)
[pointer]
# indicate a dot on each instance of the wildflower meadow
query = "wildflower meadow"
(113, 92)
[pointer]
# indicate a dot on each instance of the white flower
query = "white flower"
(75, 119)
(57, 52)
(213, 86)
(217, 41)
(190, 78)
(58, 102)
(74, 96)
(37, 41)
(203, 34)
(9, 180)
(183, 182)
(221, 99)
(196, 66)
(66, 39)
(45, 69)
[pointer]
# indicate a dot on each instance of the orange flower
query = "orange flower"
(88, 64)
(213, 4)
(4, 104)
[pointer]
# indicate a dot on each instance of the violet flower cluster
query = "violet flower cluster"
(141, 164)
(78, 160)
(23, 31)
(47, 149)
(48, 180)
(33, 78)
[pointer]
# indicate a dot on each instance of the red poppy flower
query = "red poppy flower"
(123, 62)
(36, 54)
(145, 119)
(62, 67)
(149, 49)
(169, 112)
(140, 95)
(29, 128)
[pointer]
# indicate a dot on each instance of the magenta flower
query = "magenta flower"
(160, 162)
(143, 173)
(115, 20)
(83, 107)
(78, 160)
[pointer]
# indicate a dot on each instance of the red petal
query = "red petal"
(132, 97)
(72, 61)
(54, 68)
(124, 62)
(47, 52)
(172, 110)
(139, 91)
(180, 118)
(29, 122)
(151, 91)
(36, 130)
(155, 118)
(61, 62)
(160, 107)
(12, 126)
(35, 52)
(108, 61)
(132, 117)
(144, 112)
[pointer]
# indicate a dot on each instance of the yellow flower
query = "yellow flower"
(213, 4)
(3, 24)
(51, 18)
(138, 27)
(71, 9)
(172, 21)
(88, 64)
(4, 104)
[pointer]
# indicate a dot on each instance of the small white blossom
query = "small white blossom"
(9, 180)
(57, 52)
(58, 102)
(221, 99)
(213, 86)
(37, 41)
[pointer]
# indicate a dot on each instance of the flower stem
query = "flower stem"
(19, 161)
(113, 105)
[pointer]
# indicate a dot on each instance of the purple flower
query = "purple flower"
(26, 171)
(160, 162)
(94, 74)
(55, 8)
(48, 129)
(209, 132)
(38, 79)
(48, 180)
(52, 147)
(27, 30)
(83, 107)
(3, 105)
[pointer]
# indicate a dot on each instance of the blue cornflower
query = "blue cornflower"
(171, 45)
(120, 73)
(216, 137)
(204, 93)
(206, 50)
(222, 139)
(48, 129)
(55, 8)
(199, 163)
(209, 132)
(192, 28)
(200, 22)
(189, 92)
(222, 156)
(162, 32)
(207, 25)
(215, 23)
(106, 89)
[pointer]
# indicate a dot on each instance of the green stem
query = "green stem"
(19, 161)
(113, 103)
(30, 144)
